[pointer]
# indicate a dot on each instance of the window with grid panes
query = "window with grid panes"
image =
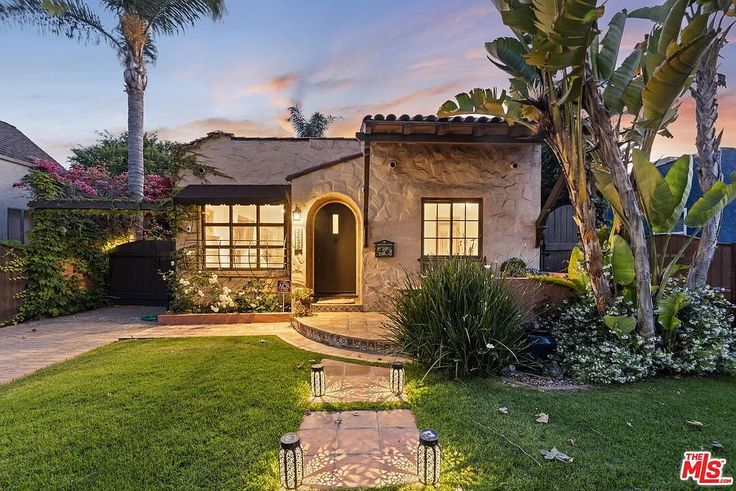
(451, 227)
(244, 236)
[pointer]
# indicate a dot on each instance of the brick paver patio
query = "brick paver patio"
(30, 346)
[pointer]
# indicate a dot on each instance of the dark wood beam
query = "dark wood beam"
(366, 188)
(97, 205)
(429, 138)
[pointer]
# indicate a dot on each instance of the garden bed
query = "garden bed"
(170, 319)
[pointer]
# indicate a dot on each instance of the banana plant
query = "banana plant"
(545, 61)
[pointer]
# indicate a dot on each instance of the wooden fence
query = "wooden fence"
(10, 287)
(722, 273)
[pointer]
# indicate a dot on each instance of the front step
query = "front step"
(337, 307)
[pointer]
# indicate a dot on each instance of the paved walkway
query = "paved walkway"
(31, 346)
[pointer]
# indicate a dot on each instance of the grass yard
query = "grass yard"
(208, 412)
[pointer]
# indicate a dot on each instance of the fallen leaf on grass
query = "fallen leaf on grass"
(572, 442)
(542, 418)
(695, 424)
(503, 410)
(555, 454)
(628, 423)
(716, 446)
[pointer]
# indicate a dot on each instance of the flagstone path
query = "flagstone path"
(356, 449)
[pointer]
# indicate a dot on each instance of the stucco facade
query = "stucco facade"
(384, 185)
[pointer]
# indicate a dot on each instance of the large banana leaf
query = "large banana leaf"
(669, 307)
(620, 325)
(621, 78)
(654, 192)
(608, 55)
(578, 288)
(679, 179)
(712, 201)
(632, 95)
(604, 183)
(509, 53)
(622, 261)
(657, 13)
(668, 80)
(568, 24)
(485, 101)
(576, 268)
(671, 26)
(517, 15)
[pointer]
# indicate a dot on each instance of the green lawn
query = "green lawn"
(208, 412)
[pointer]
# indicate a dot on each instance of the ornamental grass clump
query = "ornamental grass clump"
(461, 316)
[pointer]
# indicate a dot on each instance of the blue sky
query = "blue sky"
(346, 58)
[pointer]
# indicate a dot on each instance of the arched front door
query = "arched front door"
(334, 250)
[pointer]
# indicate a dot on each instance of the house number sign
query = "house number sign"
(385, 248)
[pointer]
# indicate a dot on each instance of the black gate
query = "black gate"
(135, 271)
(560, 236)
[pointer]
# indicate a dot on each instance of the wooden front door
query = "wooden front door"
(334, 250)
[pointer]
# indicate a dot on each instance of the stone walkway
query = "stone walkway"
(30, 346)
(357, 449)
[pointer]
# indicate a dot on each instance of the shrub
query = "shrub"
(516, 267)
(588, 350)
(705, 341)
(459, 312)
(301, 301)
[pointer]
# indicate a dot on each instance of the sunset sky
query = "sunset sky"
(240, 74)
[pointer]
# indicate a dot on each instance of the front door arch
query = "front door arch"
(335, 240)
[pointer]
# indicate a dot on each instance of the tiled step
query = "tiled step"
(345, 333)
(337, 307)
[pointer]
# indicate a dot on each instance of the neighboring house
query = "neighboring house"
(727, 233)
(16, 152)
(347, 217)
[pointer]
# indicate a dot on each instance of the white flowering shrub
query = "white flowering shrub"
(705, 342)
(195, 291)
(588, 350)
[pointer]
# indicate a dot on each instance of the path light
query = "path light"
(291, 461)
(428, 457)
(318, 380)
(397, 378)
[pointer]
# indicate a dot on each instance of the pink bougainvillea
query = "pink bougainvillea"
(97, 182)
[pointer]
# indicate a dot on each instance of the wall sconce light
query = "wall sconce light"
(428, 457)
(318, 380)
(396, 378)
(291, 461)
(297, 214)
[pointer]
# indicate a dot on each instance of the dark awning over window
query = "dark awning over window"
(232, 194)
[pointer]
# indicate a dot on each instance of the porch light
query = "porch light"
(291, 461)
(297, 214)
(318, 380)
(397, 377)
(428, 457)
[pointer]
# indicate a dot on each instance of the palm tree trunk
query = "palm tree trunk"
(707, 142)
(611, 155)
(135, 83)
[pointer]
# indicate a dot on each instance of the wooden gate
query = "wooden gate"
(560, 236)
(135, 271)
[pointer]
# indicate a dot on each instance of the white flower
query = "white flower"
(487, 266)
(189, 252)
(172, 263)
(489, 346)
(213, 279)
(214, 309)
(200, 293)
(226, 290)
(184, 282)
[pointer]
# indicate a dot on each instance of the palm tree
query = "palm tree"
(133, 38)
(314, 127)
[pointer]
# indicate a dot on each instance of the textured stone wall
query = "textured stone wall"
(342, 182)
(266, 160)
(510, 194)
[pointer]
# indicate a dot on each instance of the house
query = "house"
(348, 216)
(727, 233)
(16, 152)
